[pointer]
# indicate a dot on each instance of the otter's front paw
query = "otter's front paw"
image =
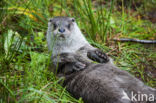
(98, 56)
(78, 66)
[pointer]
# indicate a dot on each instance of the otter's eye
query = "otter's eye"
(73, 20)
(50, 20)
(55, 26)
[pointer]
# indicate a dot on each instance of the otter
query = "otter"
(64, 36)
(100, 82)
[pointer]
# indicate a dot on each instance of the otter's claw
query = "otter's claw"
(78, 66)
(98, 56)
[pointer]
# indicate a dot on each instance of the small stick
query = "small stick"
(135, 40)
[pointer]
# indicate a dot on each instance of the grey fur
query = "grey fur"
(105, 83)
(96, 83)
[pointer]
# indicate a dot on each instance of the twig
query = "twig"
(135, 40)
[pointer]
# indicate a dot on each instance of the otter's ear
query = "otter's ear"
(73, 19)
(50, 20)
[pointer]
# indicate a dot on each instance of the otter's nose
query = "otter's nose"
(61, 30)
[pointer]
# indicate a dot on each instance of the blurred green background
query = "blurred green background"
(24, 57)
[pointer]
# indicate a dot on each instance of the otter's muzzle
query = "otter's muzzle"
(61, 30)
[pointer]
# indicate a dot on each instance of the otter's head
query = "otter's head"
(62, 26)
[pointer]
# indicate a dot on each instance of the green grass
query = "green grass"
(24, 57)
